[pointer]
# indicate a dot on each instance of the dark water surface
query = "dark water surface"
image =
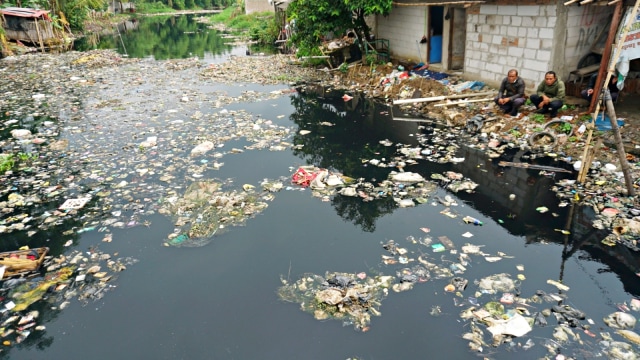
(220, 301)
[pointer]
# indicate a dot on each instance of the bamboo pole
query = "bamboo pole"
(591, 155)
(623, 157)
(442, 97)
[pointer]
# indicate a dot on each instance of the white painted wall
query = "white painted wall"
(584, 24)
(403, 27)
(510, 36)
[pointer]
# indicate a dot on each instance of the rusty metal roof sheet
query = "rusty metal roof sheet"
(25, 12)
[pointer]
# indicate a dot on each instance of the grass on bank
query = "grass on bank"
(154, 8)
(259, 26)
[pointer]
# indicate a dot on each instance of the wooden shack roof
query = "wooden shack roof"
(25, 12)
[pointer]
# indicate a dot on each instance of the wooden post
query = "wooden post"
(606, 55)
(621, 153)
(39, 36)
(624, 164)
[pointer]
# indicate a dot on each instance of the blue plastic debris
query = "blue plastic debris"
(604, 125)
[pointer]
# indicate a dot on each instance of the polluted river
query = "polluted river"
(206, 204)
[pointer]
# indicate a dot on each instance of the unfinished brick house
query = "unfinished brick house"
(486, 38)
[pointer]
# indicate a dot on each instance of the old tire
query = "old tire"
(553, 122)
(536, 139)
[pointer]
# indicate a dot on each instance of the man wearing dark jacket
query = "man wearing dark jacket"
(587, 94)
(549, 96)
(511, 94)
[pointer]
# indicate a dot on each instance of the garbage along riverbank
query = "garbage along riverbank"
(98, 143)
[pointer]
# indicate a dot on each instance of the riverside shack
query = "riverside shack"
(27, 25)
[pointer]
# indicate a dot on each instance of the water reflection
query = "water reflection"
(161, 38)
(343, 133)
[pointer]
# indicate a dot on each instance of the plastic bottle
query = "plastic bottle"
(471, 220)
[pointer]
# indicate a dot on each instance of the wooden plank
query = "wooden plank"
(533, 166)
(463, 102)
(438, 98)
(328, 57)
(586, 70)
(413, 119)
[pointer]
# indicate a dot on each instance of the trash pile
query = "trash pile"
(494, 311)
(82, 277)
(478, 126)
(107, 166)
(120, 176)
(389, 82)
(205, 208)
(406, 188)
(272, 69)
(350, 298)
(102, 143)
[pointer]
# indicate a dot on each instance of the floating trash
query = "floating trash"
(339, 296)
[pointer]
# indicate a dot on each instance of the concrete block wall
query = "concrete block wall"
(403, 28)
(584, 24)
(251, 6)
(501, 37)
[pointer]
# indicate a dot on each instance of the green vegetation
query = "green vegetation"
(153, 8)
(7, 162)
(539, 118)
(13, 161)
(260, 27)
(371, 59)
(585, 118)
(515, 133)
(164, 35)
(315, 20)
(344, 68)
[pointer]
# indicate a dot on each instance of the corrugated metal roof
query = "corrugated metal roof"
(25, 12)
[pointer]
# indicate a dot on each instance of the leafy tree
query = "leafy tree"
(315, 19)
(363, 8)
